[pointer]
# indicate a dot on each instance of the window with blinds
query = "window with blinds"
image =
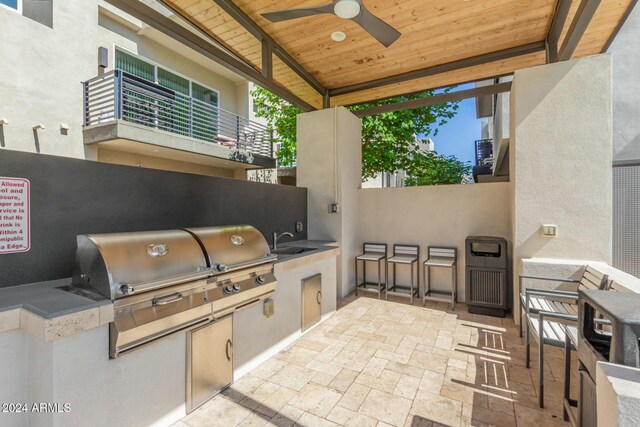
(191, 110)
(173, 81)
(204, 94)
(136, 66)
(145, 70)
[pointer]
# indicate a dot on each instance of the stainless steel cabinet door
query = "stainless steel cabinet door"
(311, 301)
(209, 361)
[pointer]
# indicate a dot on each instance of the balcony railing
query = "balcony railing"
(484, 151)
(118, 95)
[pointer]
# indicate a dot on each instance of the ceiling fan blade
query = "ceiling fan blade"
(285, 15)
(378, 29)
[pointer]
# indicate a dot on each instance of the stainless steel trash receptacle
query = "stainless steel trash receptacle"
(487, 282)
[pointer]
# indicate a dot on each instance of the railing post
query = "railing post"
(271, 142)
(237, 131)
(190, 117)
(117, 96)
(85, 88)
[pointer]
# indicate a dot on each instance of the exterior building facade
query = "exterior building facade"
(98, 84)
(626, 143)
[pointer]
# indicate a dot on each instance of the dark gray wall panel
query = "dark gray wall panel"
(626, 218)
(70, 197)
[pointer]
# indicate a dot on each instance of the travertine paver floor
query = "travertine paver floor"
(384, 363)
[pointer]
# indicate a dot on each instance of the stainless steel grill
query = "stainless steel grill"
(165, 281)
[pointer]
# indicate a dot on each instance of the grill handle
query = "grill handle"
(134, 288)
(247, 264)
(168, 299)
(228, 349)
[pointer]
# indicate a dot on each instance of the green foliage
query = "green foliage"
(430, 168)
(388, 139)
(281, 118)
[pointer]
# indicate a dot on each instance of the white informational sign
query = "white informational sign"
(15, 218)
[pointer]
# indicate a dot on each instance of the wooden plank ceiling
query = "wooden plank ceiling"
(434, 32)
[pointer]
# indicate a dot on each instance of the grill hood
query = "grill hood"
(233, 247)
(121, 264)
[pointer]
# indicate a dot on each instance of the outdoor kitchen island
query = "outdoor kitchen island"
(62, 357)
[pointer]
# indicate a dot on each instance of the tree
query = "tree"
(388, 140)
(430, 168)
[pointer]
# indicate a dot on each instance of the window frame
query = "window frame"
(18, 8)
(155, 70)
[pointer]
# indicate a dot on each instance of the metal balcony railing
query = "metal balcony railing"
(484, 151)
(118, 95)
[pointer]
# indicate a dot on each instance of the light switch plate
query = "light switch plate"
(549, 230)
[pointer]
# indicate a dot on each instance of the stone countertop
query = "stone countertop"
(49, 299)
(320, 250)
(54, 309)
(48, 311)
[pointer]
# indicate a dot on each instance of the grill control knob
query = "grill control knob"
(227, 289)
(261, 279)
(126, 289)
(221, 267)
(236, 287)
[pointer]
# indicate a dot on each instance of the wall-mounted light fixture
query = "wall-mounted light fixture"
(3, 121)
(38, 126)
(338, 36)
(103, 57)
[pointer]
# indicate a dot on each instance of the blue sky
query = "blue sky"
(456, 138)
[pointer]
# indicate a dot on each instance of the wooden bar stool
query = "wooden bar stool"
(372, 252)
(404, 255)
(444, 257)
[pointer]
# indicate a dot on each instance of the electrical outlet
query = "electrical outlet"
(334, 208)
(299, 227)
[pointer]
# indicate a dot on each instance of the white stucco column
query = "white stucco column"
(560, 161)
(329, 159)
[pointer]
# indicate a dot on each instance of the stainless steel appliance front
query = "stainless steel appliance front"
(311, 301)
(209, 361)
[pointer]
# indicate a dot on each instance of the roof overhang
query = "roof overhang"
(443, 42)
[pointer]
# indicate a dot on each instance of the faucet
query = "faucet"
(276, 237)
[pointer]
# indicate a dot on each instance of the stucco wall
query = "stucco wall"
(435, 215)
(626, 90)
(560, 157)
(40, 76)
(329, 159)
(43, 68)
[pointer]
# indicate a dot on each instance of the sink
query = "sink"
(291, 250)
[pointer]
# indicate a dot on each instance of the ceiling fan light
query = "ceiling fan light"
(338, 36)
(347, 9)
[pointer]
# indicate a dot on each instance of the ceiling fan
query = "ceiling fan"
(354, 10)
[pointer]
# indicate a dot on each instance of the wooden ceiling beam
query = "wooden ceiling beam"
(208, 48)
(443, 68)
(553, 38)
(254, 29)
(435, 99)
(267, 58)
(579, 24)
